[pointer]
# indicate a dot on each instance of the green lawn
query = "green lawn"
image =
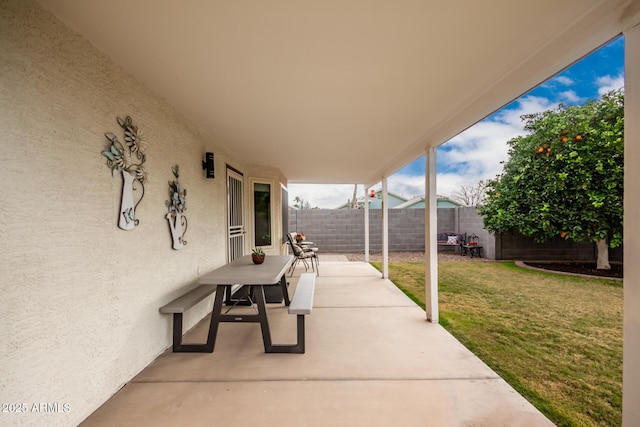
(556, 339)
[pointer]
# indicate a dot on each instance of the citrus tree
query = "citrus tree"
(565, 177)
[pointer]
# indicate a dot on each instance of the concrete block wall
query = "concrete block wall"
(334, 230)
(342, 230)
(448, 220)
(406, 230)
(472, 223)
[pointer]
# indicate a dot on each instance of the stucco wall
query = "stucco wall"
(80, 297)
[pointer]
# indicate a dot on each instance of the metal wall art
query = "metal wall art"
(128, 158)
(176, 205)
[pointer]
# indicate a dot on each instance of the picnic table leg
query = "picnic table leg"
(262, 317)
(269, 347)
(216, 315)
(285, 290)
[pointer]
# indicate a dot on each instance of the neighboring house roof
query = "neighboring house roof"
(399, 202)
(445, 202)
(418, 202)
(411, 203)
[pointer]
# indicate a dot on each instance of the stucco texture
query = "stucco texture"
(80, 296)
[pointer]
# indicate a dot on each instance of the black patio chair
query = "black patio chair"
(303, 255)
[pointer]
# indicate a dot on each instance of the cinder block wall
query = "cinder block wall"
(334, 230)
(471, 223)
(342, 230)
(448, 220)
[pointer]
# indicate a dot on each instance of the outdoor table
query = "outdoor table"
(471, 249)
(243, 271)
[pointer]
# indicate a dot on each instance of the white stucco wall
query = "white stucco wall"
(80, 297)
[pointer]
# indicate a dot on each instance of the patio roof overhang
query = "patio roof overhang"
(340, 92)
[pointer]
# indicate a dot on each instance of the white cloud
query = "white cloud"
(571, 97)
(406, 186)
(449, 183)
(331, 196)
(324, 196)
(563, 80)
(608, 83)
(476, 153)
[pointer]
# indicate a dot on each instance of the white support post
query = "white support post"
(366, 225)
(631, 352)
(430, 238)
(385, 229)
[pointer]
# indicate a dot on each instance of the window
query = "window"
(285, 213)
(262, 214)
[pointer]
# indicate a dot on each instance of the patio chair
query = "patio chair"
(307, 246)
(311, 247)
(303, 255)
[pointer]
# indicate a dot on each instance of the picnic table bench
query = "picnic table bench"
(178, 307)
(301, 305)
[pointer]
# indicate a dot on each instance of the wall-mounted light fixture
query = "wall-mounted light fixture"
(207, 165)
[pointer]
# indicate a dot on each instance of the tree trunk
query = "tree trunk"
(603, 255)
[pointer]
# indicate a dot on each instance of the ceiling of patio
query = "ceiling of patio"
(340, 91)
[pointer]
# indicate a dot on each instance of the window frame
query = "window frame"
(272, 216)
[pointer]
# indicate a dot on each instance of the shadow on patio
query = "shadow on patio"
(371, 359)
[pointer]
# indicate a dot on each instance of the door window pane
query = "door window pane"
(262, 214)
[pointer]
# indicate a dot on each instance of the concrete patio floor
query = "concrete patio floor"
(371, 359)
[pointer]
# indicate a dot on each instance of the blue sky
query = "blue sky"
(476, 153)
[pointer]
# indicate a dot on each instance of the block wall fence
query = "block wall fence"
(342, 231)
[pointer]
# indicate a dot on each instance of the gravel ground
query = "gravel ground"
(412, 256)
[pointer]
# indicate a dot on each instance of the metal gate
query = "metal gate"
(235, 214)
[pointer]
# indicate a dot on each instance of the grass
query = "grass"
(556, 339)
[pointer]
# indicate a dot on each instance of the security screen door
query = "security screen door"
(235, 214)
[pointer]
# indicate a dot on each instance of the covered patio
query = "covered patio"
(371, 360)
(269, 93)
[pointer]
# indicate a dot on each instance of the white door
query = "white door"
(235, 214)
